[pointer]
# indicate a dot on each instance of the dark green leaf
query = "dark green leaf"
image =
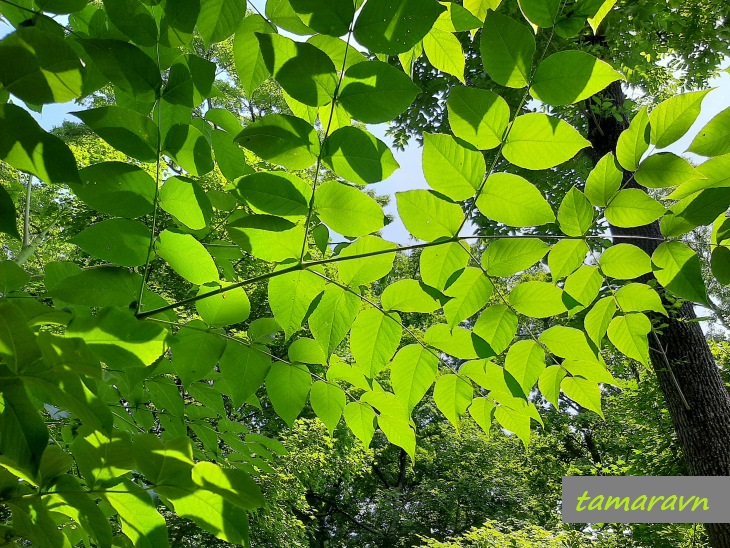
(395, 26)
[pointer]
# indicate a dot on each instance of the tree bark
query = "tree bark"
(689, 378)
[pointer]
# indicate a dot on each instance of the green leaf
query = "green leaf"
(209, 510)
(713, 173)
(218, 19)
(398, 431)
(567, 342)
(453, 395)
(101, 458)
(549, 383)
(497, 325)
(375, 92)
(306, 351)
(629, 335)
(515, 422)
(244, 369)
(479, 8)
(333, 317)
(542, 13)
(451, 169)
(229, 308)
(525, 361)
(306, 73)
(12, 277)
(126, 66)
(185, 199)
(568, 77)
(664, 170)
(288, 387)
(440, 262)
(538, 141)
(281, 13)
(507, 48)
(68, 498)
(230, 158)
(598, 17)
(633, 207)
(360, 418)
(357, 156)
(427, 216)
(134, 19)
(591, 370)
(291, 295)
(357, 272)
(584, 284)
(348, 210)
(275, 193)
(267, 237)
(126, 130)
(713, 139)
(696, 210)
(187, 257)
(116, 188)
(634, 141)
(328, 401)
(26, 147)
(374, 339)
(624, 262)
(412, 373)
(190, 81)
(395, 26)
(678, 269)
(8, 215)
(469, 293)
(232, 484)
(341, 371)
(247, 55)
(408, 296)
(107, 286)
(457, 19)
(25, 435)
(119, 339)
(478, 116)
(329, 17)
(187, 146)
(178, 23)
(637, 297)
(514, 201)
(575, 215)
(139, 518)
(720, 264)
(482, 411)
(444, 52)
(537, 299)
(565, 257)
(598, 319)
(195, 351)
(282, 139)
(335, 48)
(508, 256)
(39, 67)
(119, 241)
(458, 342)
(583, 392)
(672, 118)
(604, 180)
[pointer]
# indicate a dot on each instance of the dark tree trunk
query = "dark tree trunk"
(697, 399)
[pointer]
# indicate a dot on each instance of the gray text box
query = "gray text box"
(646, 499)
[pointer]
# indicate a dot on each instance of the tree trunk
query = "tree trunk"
(697, 399)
